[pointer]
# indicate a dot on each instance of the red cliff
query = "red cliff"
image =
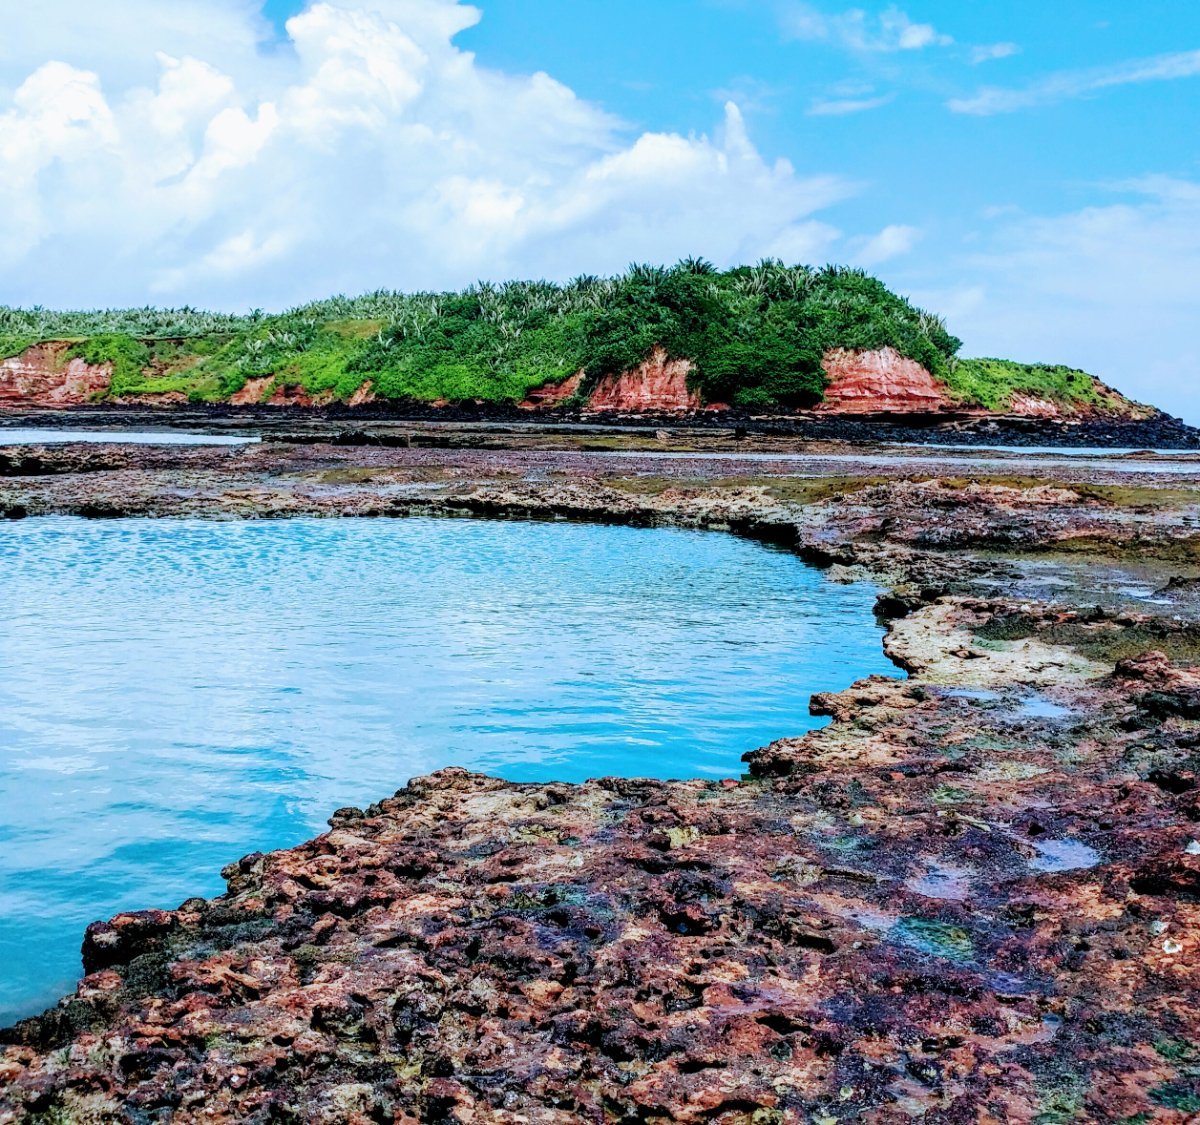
(44, 376)
(657, 386)
(880, 382)
(550, 395)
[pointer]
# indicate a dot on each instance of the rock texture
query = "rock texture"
(550, 395)
(44, 376)
(974, 897)
(880, 382)
(268, 391)
(657, 386)
(939, 908)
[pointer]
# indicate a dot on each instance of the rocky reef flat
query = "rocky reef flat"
(974, 896)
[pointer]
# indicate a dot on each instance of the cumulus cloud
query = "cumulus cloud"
(991, 100)
(191, 159)
(892, 30)
(1108, 288)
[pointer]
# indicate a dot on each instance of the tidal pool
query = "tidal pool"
(175, 694)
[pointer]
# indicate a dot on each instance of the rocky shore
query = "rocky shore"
(362, 423)
(974, 896)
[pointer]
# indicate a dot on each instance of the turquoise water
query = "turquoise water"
(175, 694)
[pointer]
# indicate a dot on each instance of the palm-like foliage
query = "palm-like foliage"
(755, 334)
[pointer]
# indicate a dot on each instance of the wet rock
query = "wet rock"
(944, 905)
(125, 937)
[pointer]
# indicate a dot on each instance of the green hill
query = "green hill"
(755, 336)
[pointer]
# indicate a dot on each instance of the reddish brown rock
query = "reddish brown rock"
(657, 386)
(364, 395)
(550, 395)
(1030, 406)
(938, 909)
(45, 376)
(941, 907)
(267, 391)
(1109, 404)
(251, 392)
(292, 394)
(880, 382)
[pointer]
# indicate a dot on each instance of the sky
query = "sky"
(1031, 171)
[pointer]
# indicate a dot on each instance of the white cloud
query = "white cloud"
(891, 242)
(1073, 84)
(991, 51)
(842, 107)
(174, 160)
(892, 30)
(1111, 289)
(121, 38)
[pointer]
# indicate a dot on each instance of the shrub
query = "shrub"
(755, 335)
(991, 383)
(129, 358)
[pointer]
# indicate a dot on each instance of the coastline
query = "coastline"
(366, 423)
(959, 900)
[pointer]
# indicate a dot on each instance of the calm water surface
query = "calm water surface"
(17, 436)
(175, 694)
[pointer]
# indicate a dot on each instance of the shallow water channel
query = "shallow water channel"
(175, 694)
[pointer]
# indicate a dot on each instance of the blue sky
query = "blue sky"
(669, 65)
(1031, 170)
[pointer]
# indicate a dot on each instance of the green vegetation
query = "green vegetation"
(13, 343)
(129, 358)
(756, 336)
(991, 383)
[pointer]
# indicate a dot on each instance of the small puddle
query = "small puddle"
(979, 695)
(1030, 707)
(1039, 707)
(1063, 855)
(941, 881)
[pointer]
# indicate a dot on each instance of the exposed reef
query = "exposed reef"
(974, 896)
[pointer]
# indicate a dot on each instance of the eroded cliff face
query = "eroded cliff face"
(550, 395)
(880, 382)
(657, 386)
(877, 382)
(265, 391)
(1111, 405)
(44, 376)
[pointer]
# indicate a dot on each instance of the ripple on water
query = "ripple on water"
(175, 694)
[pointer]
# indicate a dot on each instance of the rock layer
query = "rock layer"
(880, 382)
(550, 395)
(657, 386)
(45, 376)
